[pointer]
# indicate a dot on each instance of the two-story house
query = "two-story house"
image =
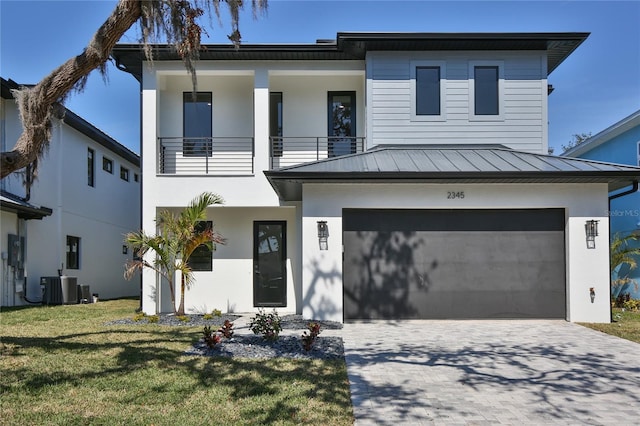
(619, 143)
(378, 175)
(89, 185)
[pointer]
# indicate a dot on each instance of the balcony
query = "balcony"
(234, 156)
(206, 156)
(290, 151)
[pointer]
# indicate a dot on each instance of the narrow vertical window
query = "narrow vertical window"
(486, 92)
(428, 91)
(275, 123)
(73, 252)
(202, 257)
(136, 177)
(91, 167)
(198, 124)
(124, 173)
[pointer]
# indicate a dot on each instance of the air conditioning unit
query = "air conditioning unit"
(69, 290)
(52, 290)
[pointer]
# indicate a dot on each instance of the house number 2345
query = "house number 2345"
(451, 195)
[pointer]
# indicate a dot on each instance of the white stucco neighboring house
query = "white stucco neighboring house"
(87, 196)
(378, 176)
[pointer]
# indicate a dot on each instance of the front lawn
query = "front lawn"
(625, 324)
(63, 365)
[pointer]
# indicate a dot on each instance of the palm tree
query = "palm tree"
(623, 253)
(178, 237)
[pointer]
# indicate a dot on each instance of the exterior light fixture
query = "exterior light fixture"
(125, 249)
(323, 234)
(592, 294)
(591, 230)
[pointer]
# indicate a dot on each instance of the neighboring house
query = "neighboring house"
(90, 187)
(619, 143)
(380, 175)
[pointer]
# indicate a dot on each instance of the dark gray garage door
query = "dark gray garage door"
(438, 264)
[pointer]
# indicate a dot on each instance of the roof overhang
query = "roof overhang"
(24, 210)
(355, 45)
(445, 165)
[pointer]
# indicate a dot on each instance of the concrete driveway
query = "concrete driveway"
(490, 372)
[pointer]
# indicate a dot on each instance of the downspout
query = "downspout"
(634, 188)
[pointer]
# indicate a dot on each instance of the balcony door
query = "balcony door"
(197, 124)
(270, 263)
(342, 123)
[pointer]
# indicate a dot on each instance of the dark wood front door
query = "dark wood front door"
(270, 263)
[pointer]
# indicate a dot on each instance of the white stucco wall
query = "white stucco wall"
(229, 286)
(585, 268)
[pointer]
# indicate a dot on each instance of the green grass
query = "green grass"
(62, 365)
(626, 325)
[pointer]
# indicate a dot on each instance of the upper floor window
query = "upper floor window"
(275, 123)
(136, 178)
(428, 90)
(73, 252)
(107, 165)
(197, 124)
(91, 167)
(486, 90)
(124, 173)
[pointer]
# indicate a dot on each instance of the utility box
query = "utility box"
(69, 290)
(52, 290)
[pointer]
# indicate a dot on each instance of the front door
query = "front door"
(342, 125)
(269, 263)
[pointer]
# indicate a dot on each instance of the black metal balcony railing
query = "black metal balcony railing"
(290, 151)
(203, 156)
(234, 156)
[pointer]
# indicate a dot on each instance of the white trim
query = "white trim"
(443, 82)
(472, 114)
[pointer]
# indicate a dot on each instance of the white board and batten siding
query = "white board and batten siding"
(522, 124)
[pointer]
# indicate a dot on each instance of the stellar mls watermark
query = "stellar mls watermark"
(624, 213)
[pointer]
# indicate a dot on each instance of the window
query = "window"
(107, 165)
(485, 86)
(91, 167)
(638, 153)
(275, 123)
(198, 124)
(73, 252)
(124, 173)
(428, 90)
(136, 178)
(201, 259)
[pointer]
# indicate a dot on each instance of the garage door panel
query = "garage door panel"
(453, 274)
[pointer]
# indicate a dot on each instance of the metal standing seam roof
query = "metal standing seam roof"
(447, 164)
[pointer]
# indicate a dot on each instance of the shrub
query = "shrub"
(266, 324)
(631, 304)
(153, 319)
(207, 316)
(139, 316)
(621, 299)
(309, 339)
(216, 313)
(183, 318)
(211, 338)
(227, 329)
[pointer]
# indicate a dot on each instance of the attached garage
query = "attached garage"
(400, 245)
(454, 264)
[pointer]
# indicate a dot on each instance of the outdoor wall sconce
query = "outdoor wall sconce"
(323, 234)
(592, 294)
(125, 249)
(591, 229)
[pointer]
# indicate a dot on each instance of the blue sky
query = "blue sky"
(598, 85)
